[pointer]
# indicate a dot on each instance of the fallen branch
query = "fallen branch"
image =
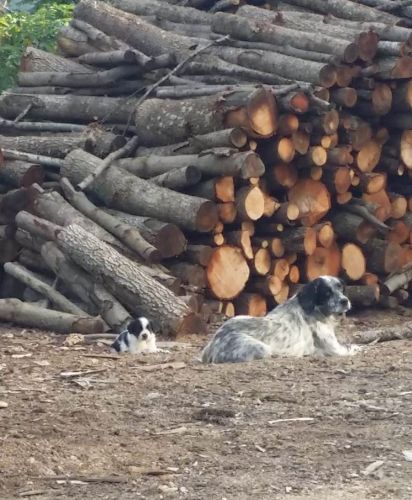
(10, 154)
(126, 150)
(384, 335)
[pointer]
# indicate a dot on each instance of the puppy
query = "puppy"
(136, 339)
(302, 326)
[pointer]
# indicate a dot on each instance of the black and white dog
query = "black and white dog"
(302, 326)
(136, 339)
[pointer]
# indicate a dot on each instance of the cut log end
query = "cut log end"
(353, 261)
(227, 272)
(207, 216)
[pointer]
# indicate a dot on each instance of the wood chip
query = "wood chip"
(32, 493)
(80, 374)
(373, 467)
(297, 419)
(408, 455)
(3, 404)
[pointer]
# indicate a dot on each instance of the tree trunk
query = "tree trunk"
(162, 122)
(178, 179)
(25, 314)
(227, 272)
(116, 188)
(166, 237)
(150, 298)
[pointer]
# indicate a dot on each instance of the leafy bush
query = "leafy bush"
(37, 28)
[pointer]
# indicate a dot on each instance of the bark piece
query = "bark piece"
(22, 313)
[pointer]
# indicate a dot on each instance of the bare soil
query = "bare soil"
(132, 429)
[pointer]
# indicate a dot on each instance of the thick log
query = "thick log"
(20, 174)
(400, 232)
(240, 239)
(353, 261)
(323, 261)
(190, 274)
(166, 237)
(372, 182)
(381, 202)
(219, 162)
(282, 66)
(283, 176)
(36, 226)
(178, 179)
(402, 97)
(199, 254)
(261, 262)
(280, 149)
(254, 31)
(301, 141)
(312, 199)
(126, 278)
(301, 240)
(129, 235)
(337, 178)
(128, 56)
(31, 280)
(117, 188)
(25, 314)
(217, 189)
(40, 126)
(34, 60)
(362, 296)
(250, 203)
(345, 96)
(72, 42)
(250, 304)
(97, 38)
(227, 212)
(162, 122)
(268, 286)
(399, 205)
(368, 156)
(325, 234)
(226, 138)
(352, 227)
(51, 145)
(66, 108)
(383, 257)
(81, 285)
(227, 272)
(397, 281)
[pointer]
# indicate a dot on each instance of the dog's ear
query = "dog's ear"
(308, 296)
(135, 327)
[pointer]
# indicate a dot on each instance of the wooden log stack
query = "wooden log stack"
(184, 160)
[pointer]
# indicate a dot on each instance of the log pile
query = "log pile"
(186, 159)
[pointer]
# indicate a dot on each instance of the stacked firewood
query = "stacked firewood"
(185, 161)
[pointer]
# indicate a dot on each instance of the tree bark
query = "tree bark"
(34, 60)
(51, 145)
(116, 188)
(85, 288)
(151, 298)
(178, 179)
(362, 296)
(166, 237)
(301, 240)
(22, 313)
(352, 227)
(383, 257)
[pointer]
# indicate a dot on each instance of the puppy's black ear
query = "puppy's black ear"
(308, 296)
(134, 327)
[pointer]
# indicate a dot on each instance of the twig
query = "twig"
(86, 479)
(23, 113)
(102, 356)
(126, 150)
(172, 72)
(297, 419)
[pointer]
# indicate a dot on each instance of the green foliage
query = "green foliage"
(20, 29)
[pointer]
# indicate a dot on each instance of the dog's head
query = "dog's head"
(140, 328)
(324, 295)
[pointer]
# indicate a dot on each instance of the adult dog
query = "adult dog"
(302, 326)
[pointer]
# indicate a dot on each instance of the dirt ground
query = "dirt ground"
(130, 429)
